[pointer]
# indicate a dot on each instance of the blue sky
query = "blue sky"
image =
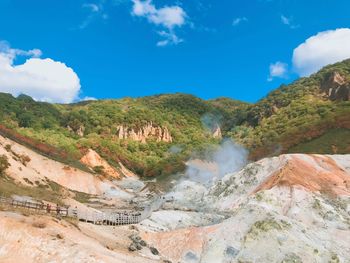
(240, 49)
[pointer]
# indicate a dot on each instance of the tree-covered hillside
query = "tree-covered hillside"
(94, 124)
(155, 135)
(299, 113)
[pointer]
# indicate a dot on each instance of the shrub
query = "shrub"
(39, 224)
(8, 147)
(4, 164)
(24, 159)
(99, 170)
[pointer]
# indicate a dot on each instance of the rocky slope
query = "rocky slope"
(25, 238)
(33, 171)
(97, 164)
(292, 208)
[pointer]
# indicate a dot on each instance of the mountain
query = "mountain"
(310, 115)
(154, 135)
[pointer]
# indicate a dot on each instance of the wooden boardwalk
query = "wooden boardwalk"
(96, 217)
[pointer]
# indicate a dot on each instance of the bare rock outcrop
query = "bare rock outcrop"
(148, 131)
(78, 131)
(216, 132)
(92, 159)
(336, 87)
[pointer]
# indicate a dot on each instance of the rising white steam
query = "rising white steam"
(228, 158)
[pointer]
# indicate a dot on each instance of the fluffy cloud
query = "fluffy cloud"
(320, 50)
(42, 79)
(169, 38)
(167, 17)
(278, 69)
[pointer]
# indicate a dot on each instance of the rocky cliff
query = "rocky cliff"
(78, 130)
(216, 132)
(142, 134)
(336, 87)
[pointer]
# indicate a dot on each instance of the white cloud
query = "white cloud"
(288, 21)
(11, 53)
(88, 98)
(320, 50)
(169, 39)
(92, 7)
(143, 8)
(167, 17)
(95, 11)
(278, 69)
(239, 20)
(42, 79)
(285, 20)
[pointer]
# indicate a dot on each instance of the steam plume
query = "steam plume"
(228, 158)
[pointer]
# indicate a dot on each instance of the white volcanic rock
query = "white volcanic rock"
(167, 220)
(187, 195)
(292, 208)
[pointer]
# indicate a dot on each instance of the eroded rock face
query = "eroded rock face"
(78, 131)
(92, 159)
(217, 132)
(148, 131)
(336, 87)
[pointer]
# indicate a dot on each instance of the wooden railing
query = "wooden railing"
(93, 217)
(110, 219)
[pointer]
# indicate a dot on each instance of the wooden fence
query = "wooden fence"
(93, 217)
(35, 206)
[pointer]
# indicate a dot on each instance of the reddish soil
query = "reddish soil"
(42, 148)
(323, 176)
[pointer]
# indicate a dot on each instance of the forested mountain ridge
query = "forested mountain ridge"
(292, 116)
(155, 135)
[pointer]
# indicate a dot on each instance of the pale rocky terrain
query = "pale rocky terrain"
(45, 239)
(39, 169)
(291, 208)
